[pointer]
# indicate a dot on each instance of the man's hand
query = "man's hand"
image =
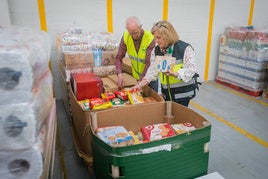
(120, 80)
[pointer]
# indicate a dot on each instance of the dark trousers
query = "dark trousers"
(182, 101)
(154, 85)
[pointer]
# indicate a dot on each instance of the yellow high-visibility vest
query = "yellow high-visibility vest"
(138, 59)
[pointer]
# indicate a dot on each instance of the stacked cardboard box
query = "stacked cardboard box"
(75, 55)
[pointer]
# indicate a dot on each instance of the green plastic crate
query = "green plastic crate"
(181, 156)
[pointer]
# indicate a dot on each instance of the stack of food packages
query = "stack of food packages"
(26, 101)
(243, 57)
(115, 98)
(77, 49)
(117, 136)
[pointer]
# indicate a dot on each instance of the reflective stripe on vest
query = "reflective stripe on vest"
(184, 95)
(138, 60)
(177, 85)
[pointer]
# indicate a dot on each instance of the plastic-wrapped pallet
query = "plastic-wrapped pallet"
(24, 57)
(34, 161)
(26, 99)
(21, 164)
(243, 57)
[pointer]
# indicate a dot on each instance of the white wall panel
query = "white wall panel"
(260, 18)
(147, 11)
(24, 13)
(190, 19)
(4, 15)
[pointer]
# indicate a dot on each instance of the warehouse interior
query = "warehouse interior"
(230, 39)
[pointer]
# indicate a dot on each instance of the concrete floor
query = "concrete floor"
(239, 138)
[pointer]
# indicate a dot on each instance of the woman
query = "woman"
(179, 83)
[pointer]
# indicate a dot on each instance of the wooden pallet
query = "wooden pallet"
(265, 94)
(240, 89)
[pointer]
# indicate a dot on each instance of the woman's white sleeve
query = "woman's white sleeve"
(189, 65)
(152, 73)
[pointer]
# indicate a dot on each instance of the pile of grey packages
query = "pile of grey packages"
(26, 97)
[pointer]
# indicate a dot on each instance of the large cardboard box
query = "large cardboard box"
(108, 57)
(81, 124)
(181, 156)
(74, 60)
(109, 85)
(126, 65)
(129, 80)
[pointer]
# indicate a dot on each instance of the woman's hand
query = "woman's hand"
(135, 88)
(139, 85)
(171, 73)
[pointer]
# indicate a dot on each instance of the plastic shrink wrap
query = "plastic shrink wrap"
(26, 100)
(243, 56)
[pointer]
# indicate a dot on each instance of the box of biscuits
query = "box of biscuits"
(115, 136)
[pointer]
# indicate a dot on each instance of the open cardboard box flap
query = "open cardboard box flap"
(137, 116)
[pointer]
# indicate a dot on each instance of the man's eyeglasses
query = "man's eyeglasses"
(135, 32)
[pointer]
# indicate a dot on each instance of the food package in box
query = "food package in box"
(122, 94)
(183, 127)
(117, 102)
(84, 104)
(103, 71)
(157, 131)
(135, 137)
(108, 95)
(115, 136)
(135, 97)
(86, 85)
(99, 103)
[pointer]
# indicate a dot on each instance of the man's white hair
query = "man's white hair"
(132, 20)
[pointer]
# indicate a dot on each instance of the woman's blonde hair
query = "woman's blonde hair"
(166, 29)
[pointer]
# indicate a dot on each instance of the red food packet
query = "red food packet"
(108, 95)
(95, 101)
(157, 131)
(122, 94)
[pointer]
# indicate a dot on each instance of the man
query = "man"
(138, 43)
